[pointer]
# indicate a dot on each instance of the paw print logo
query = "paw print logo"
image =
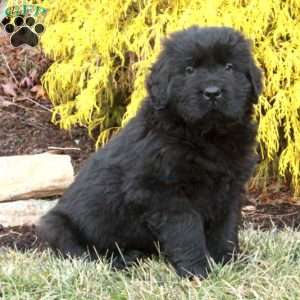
(23, 30)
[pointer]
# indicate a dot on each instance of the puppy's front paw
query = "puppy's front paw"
(198, 271)
(225, 256)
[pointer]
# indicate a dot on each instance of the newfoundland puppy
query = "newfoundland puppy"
(174, 177)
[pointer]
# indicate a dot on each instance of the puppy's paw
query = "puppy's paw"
(127, 259)
(226, 256)
(196, 271)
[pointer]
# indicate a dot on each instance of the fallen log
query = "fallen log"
(34, 176)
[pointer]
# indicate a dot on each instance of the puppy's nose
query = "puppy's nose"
(212, 93)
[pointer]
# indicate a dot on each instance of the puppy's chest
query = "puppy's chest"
(208, 184)
(204, 178)
(203, 166)
(204, 171)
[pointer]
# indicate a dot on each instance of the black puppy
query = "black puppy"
(175, 174)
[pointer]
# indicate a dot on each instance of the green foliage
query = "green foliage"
(102, 51)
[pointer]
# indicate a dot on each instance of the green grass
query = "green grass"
(268, 268)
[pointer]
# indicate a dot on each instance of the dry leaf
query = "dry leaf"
(3, 72)
(9, 89)
(33, 75)
(26, 82)
(4, 103)
(39, 91)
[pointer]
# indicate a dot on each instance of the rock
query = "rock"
(34, 176)
(25, 212)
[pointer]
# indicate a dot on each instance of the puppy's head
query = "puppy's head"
(205, 72)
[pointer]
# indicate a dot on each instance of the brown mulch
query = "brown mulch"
(26, 128)
(266, 216)
(25, 115)
(20, 238)
(25, 131)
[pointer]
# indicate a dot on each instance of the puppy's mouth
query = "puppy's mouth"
(214, 106)
(216, 111)
(216, 120)
(209, 107)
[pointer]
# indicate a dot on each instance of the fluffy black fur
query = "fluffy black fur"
(174, 176)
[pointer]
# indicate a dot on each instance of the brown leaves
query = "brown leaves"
(9, 89)
(20, 78)
(28, 86)
(4, 102)
(26, 82)
(39, 92)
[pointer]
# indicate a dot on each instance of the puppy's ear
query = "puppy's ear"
(255, 77)
(157, 84)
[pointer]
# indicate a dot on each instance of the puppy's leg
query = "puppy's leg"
(128, 258)
(222, 238)
(57, 230)
(182, 239)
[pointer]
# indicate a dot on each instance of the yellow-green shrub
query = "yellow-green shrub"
(102, 50)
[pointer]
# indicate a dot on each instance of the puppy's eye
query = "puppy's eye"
(189, 70)
(228, 67)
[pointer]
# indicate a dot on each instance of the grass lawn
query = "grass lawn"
(268, 268)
